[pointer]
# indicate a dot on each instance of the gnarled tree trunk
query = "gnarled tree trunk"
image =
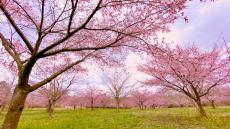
(200, 108)
(15, 108)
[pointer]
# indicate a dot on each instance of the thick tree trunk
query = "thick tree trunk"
(2, 108)
(200, 107)
(15, 109)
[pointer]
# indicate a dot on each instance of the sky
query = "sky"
(208, 23)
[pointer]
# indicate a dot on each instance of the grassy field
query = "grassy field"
(165, 118)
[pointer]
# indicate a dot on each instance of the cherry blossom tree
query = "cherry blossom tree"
(140, 98)
(187, 70)
(91, 96)
(73, 31)
(175, 99)
(54, 90)
(35, 100)
(225, 96)
(119, 87)
(218, 96)
(103, 100)
(126, 103)
(212, 96)
(69, 101)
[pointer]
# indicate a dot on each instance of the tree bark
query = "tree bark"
(200, 107)
(2, 108)
(15, 108)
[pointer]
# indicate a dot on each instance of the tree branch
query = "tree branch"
(83, 49)
(39, 40)
(72, 32)
(14, 55)
(28, 16)
(20, 33)
(74, 7)
(54, 75)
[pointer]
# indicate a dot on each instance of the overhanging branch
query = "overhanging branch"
(54, 75)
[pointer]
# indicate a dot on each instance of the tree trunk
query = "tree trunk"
(92, 107)
(15, 109)
(117, 104)
(74, 107)
(139, 106)
(50, 109)
(200, 107)
(153, 106)
(142, 105)
(213, 104)
(2, 108)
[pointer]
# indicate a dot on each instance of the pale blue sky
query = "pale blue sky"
(208, 23)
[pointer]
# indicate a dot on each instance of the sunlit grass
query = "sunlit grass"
(165, 118)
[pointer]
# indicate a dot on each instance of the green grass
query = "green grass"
(165, 118)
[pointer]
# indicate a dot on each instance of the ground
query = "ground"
(163, 118)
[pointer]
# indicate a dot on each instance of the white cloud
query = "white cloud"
(172, 37)
(132, 62)
(208, 22)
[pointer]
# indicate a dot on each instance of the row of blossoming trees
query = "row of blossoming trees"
(118, 93)
(37, 34)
